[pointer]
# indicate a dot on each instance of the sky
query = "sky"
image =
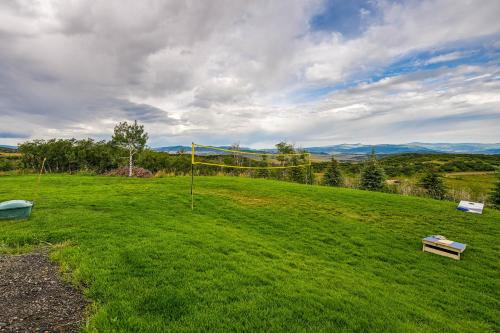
(256, 72)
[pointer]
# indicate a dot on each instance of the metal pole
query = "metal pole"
(192, 175)
(192, 181)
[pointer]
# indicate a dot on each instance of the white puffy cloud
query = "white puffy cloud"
(438, 105)
(446, 57)
(221, 71)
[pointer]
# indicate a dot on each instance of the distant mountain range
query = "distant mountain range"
(362, 149)
(414, 147)
(8, 147)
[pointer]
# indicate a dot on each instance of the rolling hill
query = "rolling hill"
(8, 149)
(259, 255)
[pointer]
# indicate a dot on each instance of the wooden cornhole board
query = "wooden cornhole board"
(443, 247)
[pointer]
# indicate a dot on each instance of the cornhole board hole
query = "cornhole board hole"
(471, 207)
(442, 246)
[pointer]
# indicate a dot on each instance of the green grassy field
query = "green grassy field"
(260, 255)
(478, 184)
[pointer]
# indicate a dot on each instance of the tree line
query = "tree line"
(410, 164)
(71, 155)
(373, 178)
(128, 148)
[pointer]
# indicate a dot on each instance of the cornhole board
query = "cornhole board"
(471, 207)
(443, 247)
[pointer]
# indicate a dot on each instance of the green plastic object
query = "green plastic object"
(15, 209)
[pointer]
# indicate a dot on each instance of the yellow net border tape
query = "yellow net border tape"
(194, 145)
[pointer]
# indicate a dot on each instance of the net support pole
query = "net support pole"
(192, 175)
(192, 181)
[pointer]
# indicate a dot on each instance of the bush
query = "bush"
(460, 166)
(434, 185)
(298, 175)
(373, 175)
(495, 196)
(333, 176)
(136, 172)
(6, 164)
(70, 155)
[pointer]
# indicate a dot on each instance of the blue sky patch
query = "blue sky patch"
(346, 17)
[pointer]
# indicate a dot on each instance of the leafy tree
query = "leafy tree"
(495, 195)
(284, 148)
(333, 175)
(153, 160)
(181, 164)
(434, 185)
(69, 155)
(372, 175)
(130, 137)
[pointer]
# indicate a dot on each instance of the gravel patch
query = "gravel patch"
(33, 298)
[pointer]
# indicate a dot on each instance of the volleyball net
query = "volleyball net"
(246, 159)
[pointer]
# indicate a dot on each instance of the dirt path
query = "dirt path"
(34, 299)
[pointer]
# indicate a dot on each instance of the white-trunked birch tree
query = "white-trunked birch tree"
(130, 137)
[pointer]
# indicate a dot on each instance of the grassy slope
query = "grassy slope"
(261, 255)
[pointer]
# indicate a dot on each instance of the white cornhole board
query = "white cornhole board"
(471, 207)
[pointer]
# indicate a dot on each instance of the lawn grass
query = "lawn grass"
(260, 255)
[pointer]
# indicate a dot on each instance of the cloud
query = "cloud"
(404, 29)
(224, 71)
(445, 57)
(434, 105)
(13, 135)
